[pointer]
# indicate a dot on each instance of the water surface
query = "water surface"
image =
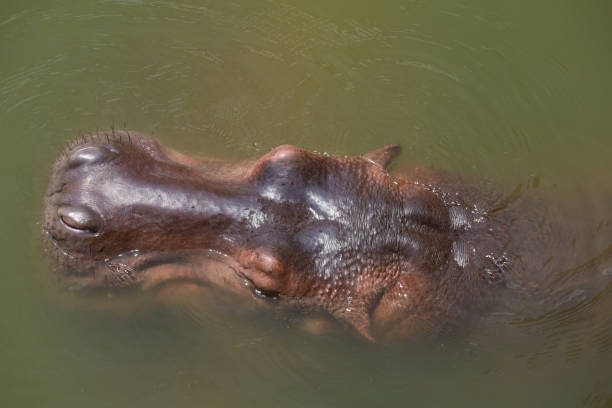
(516, 93)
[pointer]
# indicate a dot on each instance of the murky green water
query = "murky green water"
(499, 90)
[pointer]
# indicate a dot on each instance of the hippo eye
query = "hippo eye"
(80, 219)
(266, 294)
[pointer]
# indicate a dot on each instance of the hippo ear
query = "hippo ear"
(383, 156)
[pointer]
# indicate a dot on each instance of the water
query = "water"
(511, 92)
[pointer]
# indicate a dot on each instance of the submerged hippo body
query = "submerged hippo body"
(386, 253)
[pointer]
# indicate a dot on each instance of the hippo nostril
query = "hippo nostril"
(80, 219)
(91, 155)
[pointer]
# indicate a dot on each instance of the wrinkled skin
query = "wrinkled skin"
(386, 254)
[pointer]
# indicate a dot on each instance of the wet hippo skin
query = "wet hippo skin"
(387, 254)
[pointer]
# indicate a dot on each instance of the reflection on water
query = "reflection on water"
(509, 93)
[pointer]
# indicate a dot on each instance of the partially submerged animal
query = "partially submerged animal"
(389, 254)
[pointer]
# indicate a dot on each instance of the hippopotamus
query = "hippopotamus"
(384, 253)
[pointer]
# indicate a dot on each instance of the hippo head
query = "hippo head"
(294, 227)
